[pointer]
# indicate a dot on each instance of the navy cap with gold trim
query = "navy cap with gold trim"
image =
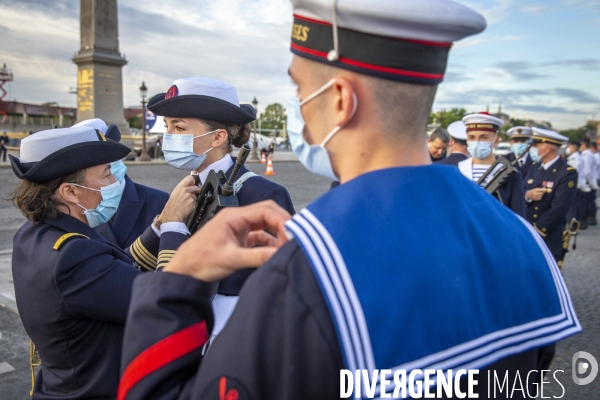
(110, 132)
(401, 40)
(539, 135)
(50, 154)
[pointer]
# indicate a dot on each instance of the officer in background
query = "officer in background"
(482, 137)
(551, 189)
(326, 300)
(139, 204)
(72, 286)
(458, 144)
(579, 208)
(590, 171)
(438, 143)
(519, 138)
(4, 140)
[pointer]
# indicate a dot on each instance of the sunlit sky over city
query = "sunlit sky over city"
(538, 59)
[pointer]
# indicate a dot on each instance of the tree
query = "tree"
(273, 114)
(446, 117)
(579, 133)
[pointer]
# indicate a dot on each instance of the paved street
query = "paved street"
(581, 273)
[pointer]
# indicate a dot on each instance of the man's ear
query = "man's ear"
(220, 137)
(346, 100)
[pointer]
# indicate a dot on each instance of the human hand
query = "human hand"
(226, 243)
(535, 194)
(181, 202)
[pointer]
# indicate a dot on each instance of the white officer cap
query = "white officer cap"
(540, 135)
(519, 132)
(482, 122)
(458, 130)
(402, 40)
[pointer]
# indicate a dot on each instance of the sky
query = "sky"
(538, 59)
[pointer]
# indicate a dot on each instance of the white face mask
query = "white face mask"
(179, 150)
(314, 157)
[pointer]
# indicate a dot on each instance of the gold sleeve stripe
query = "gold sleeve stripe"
(61, 240)
(145, 251)
(140, 256)
(164, 257)
(539, 231)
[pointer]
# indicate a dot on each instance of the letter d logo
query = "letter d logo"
(581, 367)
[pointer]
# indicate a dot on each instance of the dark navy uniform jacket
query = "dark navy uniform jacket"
(453, 159)
(254, 190)
(281, 341)
(511, 192)
(137, 209)
(548, 215)
(522, 169)
(73, 289)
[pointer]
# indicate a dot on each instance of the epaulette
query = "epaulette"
(571, 169)
(61, 240)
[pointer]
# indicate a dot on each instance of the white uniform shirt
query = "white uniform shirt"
(589, 167)
(575, 161)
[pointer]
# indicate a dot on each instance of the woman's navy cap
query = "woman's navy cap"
(202, 98)
(50, 154)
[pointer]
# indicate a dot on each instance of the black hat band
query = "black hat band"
(405, 60)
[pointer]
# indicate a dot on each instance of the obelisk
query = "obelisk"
(99, 62)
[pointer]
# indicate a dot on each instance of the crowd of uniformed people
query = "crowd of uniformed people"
(121, 301)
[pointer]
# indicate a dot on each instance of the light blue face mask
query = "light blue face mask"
(479, 149)
(179, 150)
(314, 157)
(111, 197)
(518, 148)
(118, 169)
(534, 153)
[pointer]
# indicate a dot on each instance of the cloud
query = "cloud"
(534, 9)
(498, 11)
(588, 64)
(594, 4)
(518, 70)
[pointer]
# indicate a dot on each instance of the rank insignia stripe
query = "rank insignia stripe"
(61, 240)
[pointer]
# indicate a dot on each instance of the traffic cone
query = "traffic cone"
(269, 170)
(263, 159)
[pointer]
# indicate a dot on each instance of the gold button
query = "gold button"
(536, 208)
(554, 170)
(530, 181)
(534, 215)
(543, 229)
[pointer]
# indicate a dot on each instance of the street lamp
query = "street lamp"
(143, 92)
(254, 155)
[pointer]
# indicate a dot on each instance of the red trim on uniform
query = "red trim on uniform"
(372, 67)
(162, 353)
(315, 21)
(424, 42)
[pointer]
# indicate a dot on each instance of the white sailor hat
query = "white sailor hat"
(519, 132)
(458, 130)
(202, 98)
(50, 154)
(482, 121)
(401, 40)
(111, 132)
(539, 135)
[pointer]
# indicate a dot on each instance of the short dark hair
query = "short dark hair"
(594, 145)
(460, 141)
(585, 141)
(441, 134)
(35, 200)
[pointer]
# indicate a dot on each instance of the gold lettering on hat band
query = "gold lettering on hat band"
(484, 126)
(300, 32)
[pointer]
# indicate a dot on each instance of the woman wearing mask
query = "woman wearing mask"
(72, 286)
(482, 137)
(204, 120)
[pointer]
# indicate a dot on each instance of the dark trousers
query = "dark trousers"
(3, 152)
(591, 203)
(577, 208)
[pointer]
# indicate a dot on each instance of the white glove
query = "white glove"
(585, 188)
